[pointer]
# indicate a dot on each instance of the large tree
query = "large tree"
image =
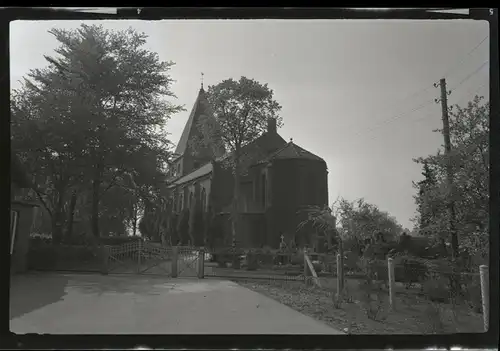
(362, 220)
(469, 193)
(97, 114)
(239, 114)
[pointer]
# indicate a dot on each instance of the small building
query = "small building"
(280, 178)
(21, 217)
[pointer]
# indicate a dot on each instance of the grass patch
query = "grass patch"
(358, 315)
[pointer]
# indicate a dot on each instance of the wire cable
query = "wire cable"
(470, 75)
(394, 118)
(461, 62)
(469, 92)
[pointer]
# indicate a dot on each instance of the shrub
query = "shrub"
(434, 319)
(378, 270)
(410, 270)
(373, 300)
(183, 226)
(471, 293)
(351, 261)
(38, 240)
(60, 256)
(118, 240)
(298, 259)
(318, 267)
(436, 290)
(252, 262)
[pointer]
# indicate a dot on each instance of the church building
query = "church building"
(279, 179)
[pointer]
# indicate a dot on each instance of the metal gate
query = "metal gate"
(155, 259)
(139, 258)
(189, 263)
(150, 258)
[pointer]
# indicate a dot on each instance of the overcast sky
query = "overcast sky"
(357, 93)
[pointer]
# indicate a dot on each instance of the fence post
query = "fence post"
(175, 257)
(485, 295)
(340, 276)
(201, 264)
(391, 282)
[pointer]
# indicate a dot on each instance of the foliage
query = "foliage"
(93, 117)
(119, 240)
(321, 219)
(62, 257)
(183, 226)
(240, 111)
(373, 297)
(196, 222)
(361, 220)
(410, 270)
(469, 162)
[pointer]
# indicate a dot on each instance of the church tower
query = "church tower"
(188, 157)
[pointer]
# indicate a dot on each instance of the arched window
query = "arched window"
(264, 189)
(181, 202)
(190, 201)
(203, 199)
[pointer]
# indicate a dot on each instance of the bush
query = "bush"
(318, 267)
(38, 240)
(297, 259)
(410, 270)
(436, 290)
(119, 240)
(60, 256)
(434, 319)
(351, 261)
(378, 270)
(252, 262)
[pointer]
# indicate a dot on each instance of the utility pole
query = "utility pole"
(449, 170)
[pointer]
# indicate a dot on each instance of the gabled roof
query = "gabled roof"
(261, 147)
(191, 123)
(293, 151)
(198, 173)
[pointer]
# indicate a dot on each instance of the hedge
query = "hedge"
(63, 257)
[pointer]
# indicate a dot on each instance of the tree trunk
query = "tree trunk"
(134, 222)
(57, 219)
(72, 205)
(236, 198)
(96, 185)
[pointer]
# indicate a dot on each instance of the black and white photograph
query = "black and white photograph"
(249, 176)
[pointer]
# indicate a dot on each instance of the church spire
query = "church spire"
(202, 74)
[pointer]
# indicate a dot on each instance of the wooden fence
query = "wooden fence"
(311, 276)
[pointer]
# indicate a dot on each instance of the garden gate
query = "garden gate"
(151, 258)
(189, 263)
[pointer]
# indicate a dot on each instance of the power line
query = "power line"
(394, 118)
(427, 116)
(461, 62)
(399, 116)
(470, 75)
(470, 92)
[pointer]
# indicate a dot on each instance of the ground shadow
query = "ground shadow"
(29, 292)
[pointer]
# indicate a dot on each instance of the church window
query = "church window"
(264, 190)
(203, 199)
(181, 198)
(190, 200)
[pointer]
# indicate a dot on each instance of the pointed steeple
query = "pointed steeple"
(192, 122)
